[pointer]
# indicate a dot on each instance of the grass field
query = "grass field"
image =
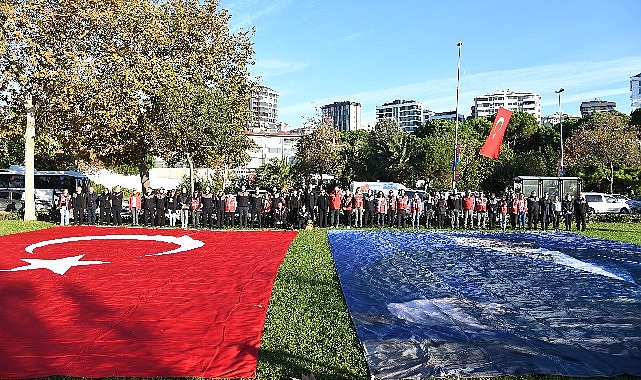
(308, 328)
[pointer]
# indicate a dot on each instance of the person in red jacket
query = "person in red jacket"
(335, 202)
(348, 206)
(481, 211)
(402, 202)
(230, 210)
(358, 207)
(468, 209)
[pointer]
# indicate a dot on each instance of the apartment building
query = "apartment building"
(488, 104)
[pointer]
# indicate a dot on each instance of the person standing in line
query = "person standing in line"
(402, 202)
(184, 203)
(161, 206)
(323, 208)
(451, 209)
(556, 212)
(492, 210)
(428, 208)
(369, 211)
(207, 201)
(242, 199)
(503, 207)
(134, 206)
(79, 205)
(219, 203)
(172, 206)
(581, 208)
(230, 211)
(257, 209)
(567, 208)
(522, 209)
(105, 207)
(545, 211)
(266, 211)
(348, 205)
(92, 205)
(469, 202)
(293, 204)
(116, 205)
(533, 211)
(311, 202)
(335, 202)
(280, 216)
(150, 207)
(441, 210)
(416, 208)
(358, 207)
(64, 204)
(196, 208)
(481, 211)
(513, 209)
(381, 209)
(391, 208)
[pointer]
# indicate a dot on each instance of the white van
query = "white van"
(601, 203)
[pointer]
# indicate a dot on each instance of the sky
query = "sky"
(373, 52)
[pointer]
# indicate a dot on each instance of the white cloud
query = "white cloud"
(273, 67)
(245, 13)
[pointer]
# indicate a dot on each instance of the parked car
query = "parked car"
(601, 203)
(634, 204)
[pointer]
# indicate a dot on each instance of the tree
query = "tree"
(275, 173)
(318, 153)
(199, 130)
(605, 140)
(354, 153)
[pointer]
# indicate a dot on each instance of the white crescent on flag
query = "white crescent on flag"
(499, 125)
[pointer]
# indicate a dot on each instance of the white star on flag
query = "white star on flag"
(58, 266)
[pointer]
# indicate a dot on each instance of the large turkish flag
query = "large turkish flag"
(101, 302)
(492, 145)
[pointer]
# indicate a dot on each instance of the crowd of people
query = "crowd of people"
(298, 209)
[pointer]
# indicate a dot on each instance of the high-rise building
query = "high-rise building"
(635, 91)
(488, 104)
(407, 113)
(346, 115)
(596, 105)
(264, 107)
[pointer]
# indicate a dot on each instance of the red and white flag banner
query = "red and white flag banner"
(119, 302)
(492, 145)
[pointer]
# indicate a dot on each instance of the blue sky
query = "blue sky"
(317, 52)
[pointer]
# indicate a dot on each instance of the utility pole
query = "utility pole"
(29, 166)
(456, 148)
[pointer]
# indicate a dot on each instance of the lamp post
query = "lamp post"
(561, 171)
(458, 85)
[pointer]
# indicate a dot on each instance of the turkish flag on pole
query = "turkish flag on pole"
(492, 145)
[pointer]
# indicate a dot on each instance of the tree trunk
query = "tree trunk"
(144, 176)
(611, 176)
(29, 166)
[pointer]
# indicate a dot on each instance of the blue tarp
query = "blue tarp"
(472, 304)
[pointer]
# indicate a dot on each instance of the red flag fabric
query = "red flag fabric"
(492, 145)
(122, 302)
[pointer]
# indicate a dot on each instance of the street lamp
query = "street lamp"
(561, 171)
(456, 148)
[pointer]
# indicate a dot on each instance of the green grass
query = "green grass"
(308, 328)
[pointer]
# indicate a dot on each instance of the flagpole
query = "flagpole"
(458, 85)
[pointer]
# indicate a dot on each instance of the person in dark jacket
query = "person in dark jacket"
(92, 205)
(310, 202)
(242, 200)
(581, 208)
(150, 207)
(257, 208)
(545, 211)
(116, 206)
(441, 209)
(369, 209)
(533, 211)
(219, 203)
(105, 207)
(161, 206)
(323, 208)
(293, 205)
(172, 207)
(492, 210)
(207, 201)
(567, 209)
(79, 204)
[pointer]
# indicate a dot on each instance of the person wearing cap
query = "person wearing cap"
(134, 206)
